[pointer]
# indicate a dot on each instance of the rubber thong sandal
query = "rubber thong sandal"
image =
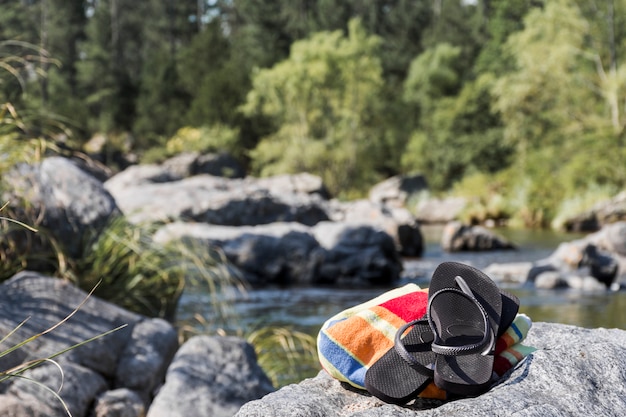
(405, 369)
(464, 313)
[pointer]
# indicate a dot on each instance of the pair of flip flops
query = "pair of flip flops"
(453, 344)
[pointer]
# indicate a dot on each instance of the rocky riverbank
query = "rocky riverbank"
(574, 372)
(138, 370)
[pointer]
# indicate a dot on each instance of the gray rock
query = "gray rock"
(396, 191)
(215, 200)
(187, 164)
(181, 166)
(119, 403)
(587, 262)
(276, 253)
(357, 250)
(210, 376)
(288, 253)
(574, 372)
(219, 164)
(397, 222)
(602, 214)
(136, 175)
(149, 350)
(77, 386)
(457, 237)
(72, 204)
(134, 357)
(511, 272)
(302, 183)
(439, 211)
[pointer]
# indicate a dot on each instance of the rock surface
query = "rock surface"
(574, 372)
(593, 263)
(210, 376)
(440, 211)
(292, 253)
(118, 374)
(602, 214)
(69, 201)
(461, 237)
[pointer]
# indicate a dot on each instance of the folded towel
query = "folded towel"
(351, 341)
(354, 339)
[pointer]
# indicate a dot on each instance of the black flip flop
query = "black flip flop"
(405, 369)
(464, 313)
(510, 308)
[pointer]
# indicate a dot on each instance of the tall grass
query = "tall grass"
(287, 356)
(147, 277)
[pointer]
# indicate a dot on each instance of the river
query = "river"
(306, 308)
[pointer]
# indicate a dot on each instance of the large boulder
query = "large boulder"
(118, 374)
(595, 261)
(357, 250)
(398, 190)
(276, 253)
(292, 253)
(458, 237)
(210, 376)
(71, 203)
(397, 222)
(439, 210)
(134, 357)
(602, 214)
(215, 200)
(574, 372)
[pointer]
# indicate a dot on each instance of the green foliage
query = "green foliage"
(434, 74)
(323, 101)
(486, 196)
(144, 276)
(207, 139)
(286, 356)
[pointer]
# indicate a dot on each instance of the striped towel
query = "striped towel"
(353, 340)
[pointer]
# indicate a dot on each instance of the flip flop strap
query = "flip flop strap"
(404, 353)
(485, 346)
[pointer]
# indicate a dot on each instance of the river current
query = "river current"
(306, 308)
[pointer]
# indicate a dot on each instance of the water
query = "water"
(306, 308)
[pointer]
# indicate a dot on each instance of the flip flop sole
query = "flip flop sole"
(460, 322)
(392, 378)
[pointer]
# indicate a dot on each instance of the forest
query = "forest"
(519, 104)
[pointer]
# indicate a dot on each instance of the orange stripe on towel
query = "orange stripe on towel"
(360, 339)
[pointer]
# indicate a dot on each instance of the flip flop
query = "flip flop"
(510, 308)
(405, 369)
(464, 313)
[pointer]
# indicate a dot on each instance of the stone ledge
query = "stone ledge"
(574, 372)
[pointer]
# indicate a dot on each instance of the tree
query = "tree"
(561, 106)
(459, 132)
(323, 101)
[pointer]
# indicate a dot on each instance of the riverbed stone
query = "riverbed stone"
(121, 402)
(439, 210)
(215, 200)
(357, 251)
(292, 253)
(398, 190)
(458, 236)
(71, 204)
(574, 372)
(210, 376)
(604, 213)
(133, 357)
(396, 221)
